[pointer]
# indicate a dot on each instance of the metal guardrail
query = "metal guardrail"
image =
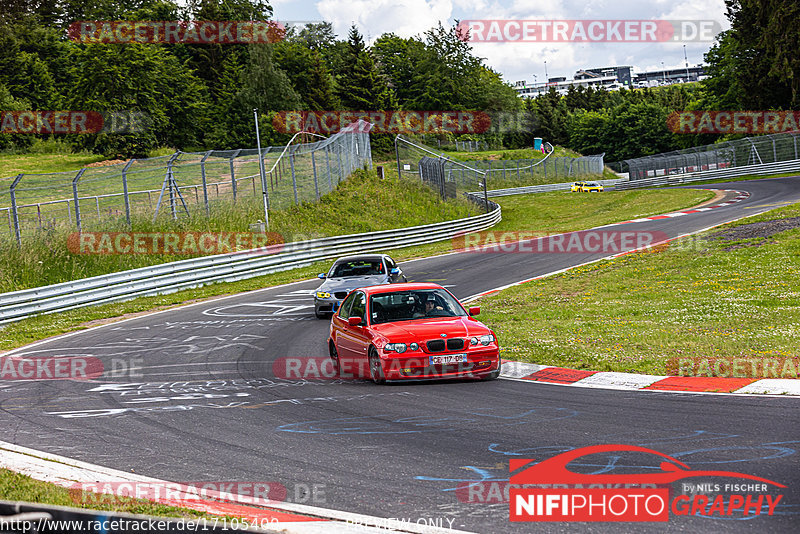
(545, 188)
(764, 169)
(184, 274)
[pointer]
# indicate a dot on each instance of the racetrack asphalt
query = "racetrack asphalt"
(204, 404)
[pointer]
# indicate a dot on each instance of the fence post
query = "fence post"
(396, 156)
(314, 169)
(14, 207)
(203, 178)
(774, 150)
(233, 176)
(294, 180)
(125, 191)
(794, 142)
(75, 197)
(328, 165)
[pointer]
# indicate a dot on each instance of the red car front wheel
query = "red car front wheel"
(375, 367)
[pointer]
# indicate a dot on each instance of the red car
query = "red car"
(411, 331)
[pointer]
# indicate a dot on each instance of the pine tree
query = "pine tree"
(359, 85)
(322, 95)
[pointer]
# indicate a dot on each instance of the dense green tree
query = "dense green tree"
(359, 81)
(9, 103)
(143, 78)
(322, 90)
(263, 86)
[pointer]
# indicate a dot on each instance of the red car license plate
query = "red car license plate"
(448, 358)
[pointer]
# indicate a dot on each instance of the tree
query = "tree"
(137, 77)
(261, 85)
(9, 103)
(322, 91)
(359, 84)
(754, 65)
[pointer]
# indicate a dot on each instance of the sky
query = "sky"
(525, 61)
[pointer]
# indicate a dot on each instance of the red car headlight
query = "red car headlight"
(399, 348)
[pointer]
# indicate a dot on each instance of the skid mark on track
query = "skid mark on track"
(384, 424)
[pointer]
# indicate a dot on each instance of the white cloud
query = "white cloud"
(375, 17)
(518, 61)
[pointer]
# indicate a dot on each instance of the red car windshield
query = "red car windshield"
(415, 304)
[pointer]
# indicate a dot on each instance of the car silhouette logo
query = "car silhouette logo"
(554, 470)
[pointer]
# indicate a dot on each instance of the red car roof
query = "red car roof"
(391, 288)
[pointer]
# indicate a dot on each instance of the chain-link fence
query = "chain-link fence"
(468, 175)
(181, 184)
(448, 143)
(747, 151)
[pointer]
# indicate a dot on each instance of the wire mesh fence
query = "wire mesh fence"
(729, 154)
(454, 144)
(181, 184)
(469, 175)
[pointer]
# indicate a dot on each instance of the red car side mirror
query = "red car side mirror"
(354, 321)
(474, 310)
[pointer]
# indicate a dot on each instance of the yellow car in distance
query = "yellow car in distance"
(591, 187)
(576, 187)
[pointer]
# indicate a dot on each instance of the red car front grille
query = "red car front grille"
(438, 345)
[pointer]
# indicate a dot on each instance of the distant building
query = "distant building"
(610, 78)
(670, 75)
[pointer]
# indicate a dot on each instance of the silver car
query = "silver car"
(349, 273)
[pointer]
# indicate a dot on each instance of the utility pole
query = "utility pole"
(686, 59)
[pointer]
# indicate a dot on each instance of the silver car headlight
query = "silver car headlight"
(488, 338)
(395, 347)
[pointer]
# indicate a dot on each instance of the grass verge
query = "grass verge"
(548, 212)
(362, 203)
(14, 164)
(18, 487)
(719, 295)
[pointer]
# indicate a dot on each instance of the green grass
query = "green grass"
(744, 178)
(549, 212)
(360, 204)
(18, 487)
(633, 314)
(14, 164)
(512, 154)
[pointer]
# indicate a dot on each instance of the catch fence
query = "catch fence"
(743, 152)
(181, 184)
(415, 160)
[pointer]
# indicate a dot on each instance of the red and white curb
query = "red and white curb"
(632, 381)
(741, 195)
(281, 517)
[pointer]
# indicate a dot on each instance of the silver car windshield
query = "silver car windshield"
(414, 304)
(357, 268)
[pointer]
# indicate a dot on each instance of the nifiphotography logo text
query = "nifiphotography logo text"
(550, 491)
